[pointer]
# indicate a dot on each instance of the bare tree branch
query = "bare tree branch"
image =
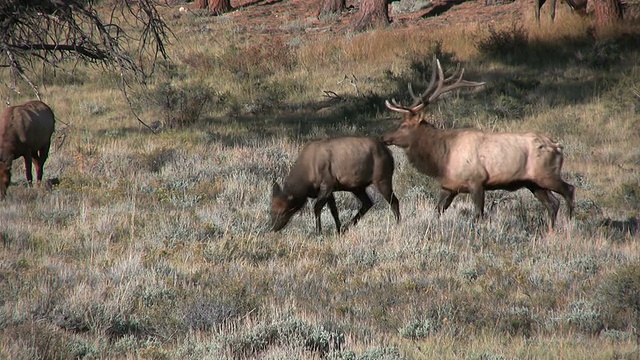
(48, 32)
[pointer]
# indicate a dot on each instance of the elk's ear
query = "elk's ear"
(275, 189)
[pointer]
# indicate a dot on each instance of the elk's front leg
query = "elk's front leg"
(446, 197)
(477, 194)
(334, 211)
(324, 195)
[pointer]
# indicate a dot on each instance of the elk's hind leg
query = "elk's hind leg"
(366, 204)
(27, 168)
(386, 189)
(40, 159)
(446, 197)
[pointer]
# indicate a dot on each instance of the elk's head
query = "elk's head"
(413, 116)
(283, 207)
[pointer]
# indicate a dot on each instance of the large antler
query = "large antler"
(438, 86)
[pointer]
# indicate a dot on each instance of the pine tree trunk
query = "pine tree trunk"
(332, 7)
(372, 14)
(217, 7)
(607, 13)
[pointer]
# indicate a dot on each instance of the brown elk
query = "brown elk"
(473, 161)
(25, 130)
(576, 5)
(338, 164)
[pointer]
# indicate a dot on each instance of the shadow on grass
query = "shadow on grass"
(629, 226)
(557, 73)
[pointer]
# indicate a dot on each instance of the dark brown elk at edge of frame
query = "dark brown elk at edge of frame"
(338, 164)
(25, 131)
(473, 161)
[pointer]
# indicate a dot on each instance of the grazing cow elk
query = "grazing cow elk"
(339, 164)
(473, 161)
(25, 130)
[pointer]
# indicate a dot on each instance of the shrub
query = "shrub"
(290, 332)
(204, 314)
(182, 105)
(158, 158)
(584, 317)
(618, 298)
(259, 59)
(418, 329)
(517, 321)
(503, 43)
(630, 192)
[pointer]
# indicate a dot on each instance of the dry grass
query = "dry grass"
(156, 246)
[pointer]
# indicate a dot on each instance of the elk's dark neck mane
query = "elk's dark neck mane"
(429, 149)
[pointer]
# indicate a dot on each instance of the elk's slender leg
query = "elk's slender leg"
(563, 188)
(477, 194)
(539, 4)
(40, 160)
(317, 210)
(386, 189)
(446, 197)
(549, 201)
(366, 202)
(552, 3)
(27, 168)
(331, 200)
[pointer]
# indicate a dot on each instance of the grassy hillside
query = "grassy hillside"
(157, 245)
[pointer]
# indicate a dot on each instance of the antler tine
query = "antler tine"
(394, 102)
(441, 84)
(393, 105)
(411, 92)
(435, 63)
(417, 99)
(438, 91)
(459, 83)
(454, 73)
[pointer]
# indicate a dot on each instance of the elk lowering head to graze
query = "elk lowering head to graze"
(339, 164)
(577, 5)
(473, 161)
(25, 130)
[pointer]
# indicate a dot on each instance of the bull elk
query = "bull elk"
(338, 164)
(25, 131)
(473, 161)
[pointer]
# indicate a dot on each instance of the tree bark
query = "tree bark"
(372, 14)
(607, 13)
(216, 7)
(332, 7)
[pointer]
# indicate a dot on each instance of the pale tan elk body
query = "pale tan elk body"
(25, 131)
(338, 164)
(473, 161)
